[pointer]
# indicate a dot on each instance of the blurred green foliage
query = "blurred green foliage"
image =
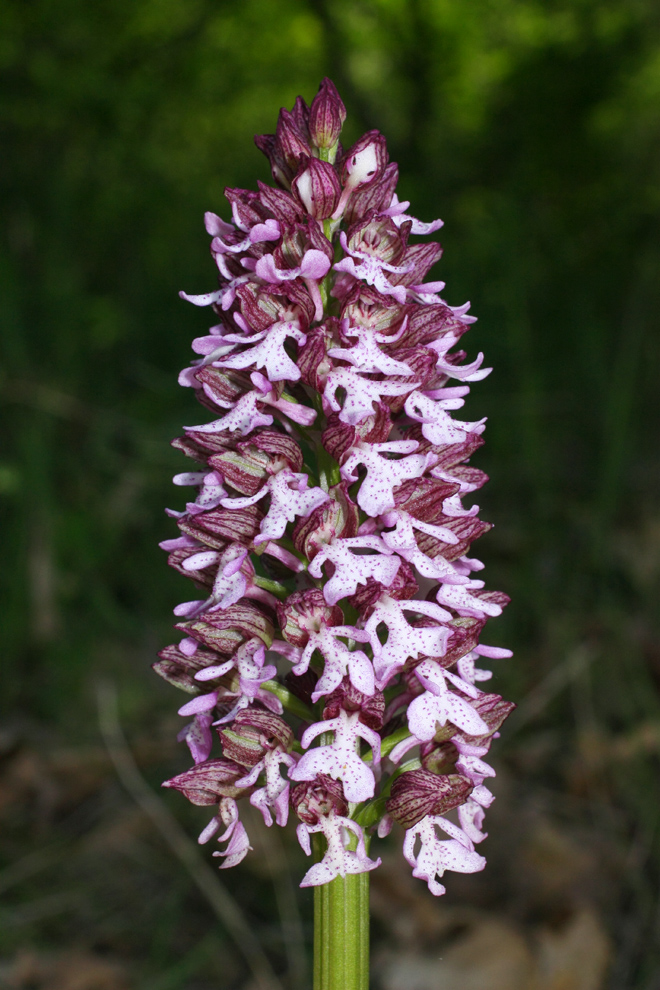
(531, 126)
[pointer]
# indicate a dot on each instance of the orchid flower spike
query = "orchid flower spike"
(330, 523)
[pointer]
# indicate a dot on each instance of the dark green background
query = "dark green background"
(532, 127)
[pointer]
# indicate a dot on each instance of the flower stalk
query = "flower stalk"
(333, 659)
(341, 933)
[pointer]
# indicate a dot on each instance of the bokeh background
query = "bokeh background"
(533, 128)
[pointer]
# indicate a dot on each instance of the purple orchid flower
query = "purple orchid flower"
(289, 498)
(352, 569)
(338, 860)
(372, 270)
(383, 474)
(274, 795)
(238, 843)
(436, 856)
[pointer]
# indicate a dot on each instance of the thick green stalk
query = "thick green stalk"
(341, 933)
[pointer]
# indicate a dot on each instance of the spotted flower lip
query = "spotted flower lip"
(372, 270)
(328, 520)
(338, 859)
(436, 856)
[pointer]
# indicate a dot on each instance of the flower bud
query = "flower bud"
(337, 518)
(290, 143)
(418, 793)
(317, 187)
(314, 799)
(252, 733)
(207, 782)
(304, 612)
(326, 116)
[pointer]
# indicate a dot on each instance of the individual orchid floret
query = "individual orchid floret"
(467, 664)
(469, 761)
(438, 705)
(338, 859)
(383, 474)
(230, 583)
(245, 416)
(403, 640)
(471, 813)
(306, 612)
(210, 493)
(238, 843)
(197, 736)
(351, 569)
(218, 228)
(397, 211)
(289, 497)
(366, 356)
(462, 599)
(472, 372)
(372, 270)
(274, 795)
(252, 734)
(341, 758)
(269, 353)
(361, 394)
(436, 856)
(362, 166)
(437, 424)
(318, 798)
(338, 660)
(208, 782)
(402, 540)
(249, 662)
(313, 267)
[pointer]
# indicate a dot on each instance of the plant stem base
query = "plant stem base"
(341, 934)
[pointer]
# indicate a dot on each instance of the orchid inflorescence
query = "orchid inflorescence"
(327, 531)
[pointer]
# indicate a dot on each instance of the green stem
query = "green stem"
(341, 933)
